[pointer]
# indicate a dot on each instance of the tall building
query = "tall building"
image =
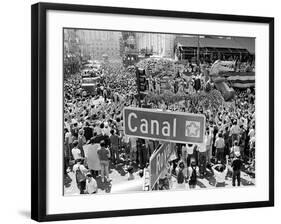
(96, 43)
(159, 44)
(71, 42)
(72, 53)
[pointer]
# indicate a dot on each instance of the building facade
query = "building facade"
(93, 44)
(159, 44)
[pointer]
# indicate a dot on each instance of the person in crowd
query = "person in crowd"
(226, 141)
(184, 154)
(192, 174)
(133, 149)
(80, 172)
(91, 184)
(104, 155)
(236, 167)
(214, 129)
(68, 143)
(235, 149)
(81, 141)
(141, 152)
(208, 143)
(119, 126)
(164, 178)
(202, 158)
(252, 149)
(105, 94)
(220, 172)
(106, 130)
(181, 175)
(93, 161)
(76, 152)
(251, 133)
(234, 131)
(75, 130)
(197, 83)
(219, 144)
(130, 171)
(242, 143)
(88, 131)
(114, 145)
(97, 129)
(190, 152)
(125, 147)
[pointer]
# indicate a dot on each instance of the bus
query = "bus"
(89, 84)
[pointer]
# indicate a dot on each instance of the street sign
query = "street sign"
(158, 162)
(179, 127)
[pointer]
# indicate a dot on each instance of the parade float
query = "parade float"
(167, 71)
(223, 72)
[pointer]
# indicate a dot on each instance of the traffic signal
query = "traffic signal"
(141, 80)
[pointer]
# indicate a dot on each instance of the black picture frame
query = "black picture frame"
(38, 110)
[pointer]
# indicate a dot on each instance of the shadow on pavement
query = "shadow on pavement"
(200, 184)
(245, 182)
(105, 186)
(210, 177)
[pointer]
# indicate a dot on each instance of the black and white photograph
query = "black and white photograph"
(140, 111)
(147, 111)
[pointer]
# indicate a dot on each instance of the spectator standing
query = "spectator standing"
(208, 142)
(133, 149)
(219, 144)
(76, 152)
(226, 141)
(93, 158)
(114, 145)
(202, 158)
(236, 167)
(235, 149)
(88, 131)
(104, 155)
(234, 132)
(68, 142)
(190, 150)
(181, 175)
(80, 173)
(81, 141)
(192, 173)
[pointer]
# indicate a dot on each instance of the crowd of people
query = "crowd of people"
(94, 139)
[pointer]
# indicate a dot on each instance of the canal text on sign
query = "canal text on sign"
(168, 126)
